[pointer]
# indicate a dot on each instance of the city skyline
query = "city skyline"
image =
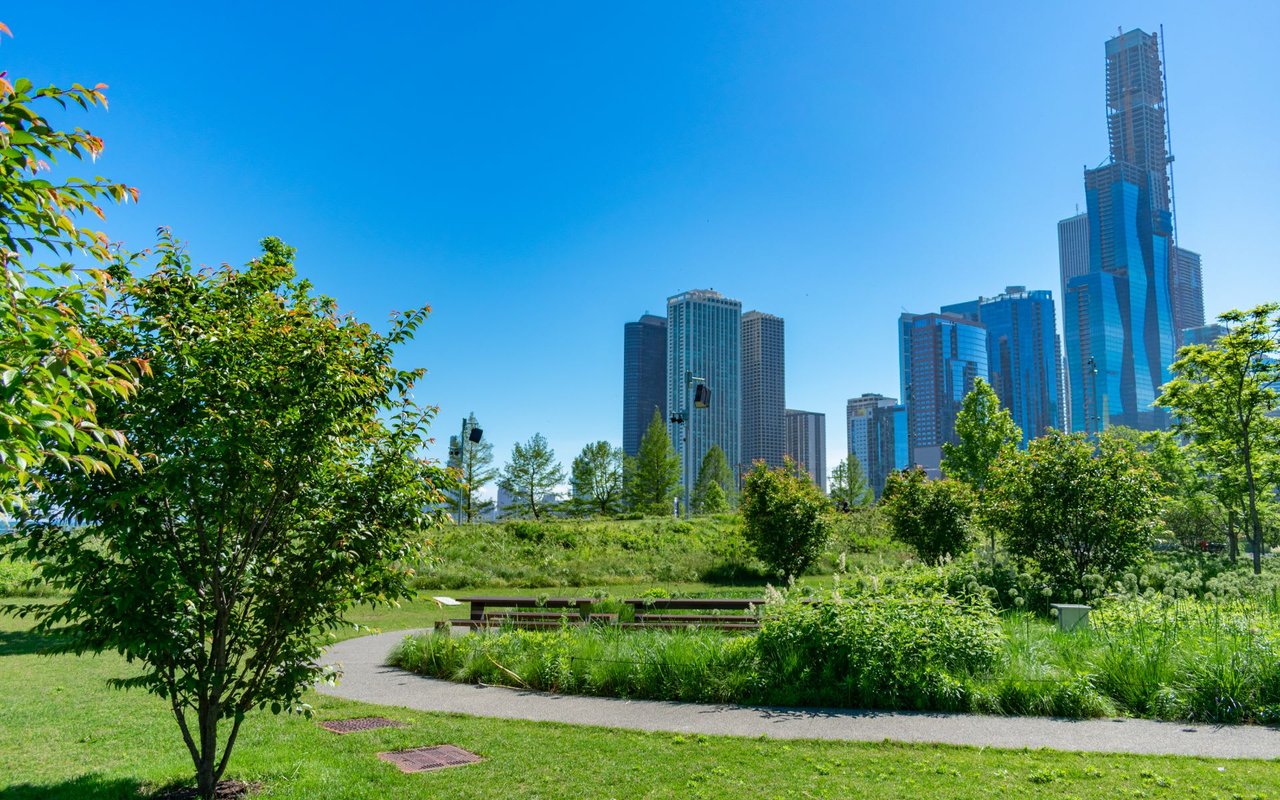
(755, 145)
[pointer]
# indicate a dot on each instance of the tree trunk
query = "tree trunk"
(1255, 533)
(1233, 539)
(206, 769)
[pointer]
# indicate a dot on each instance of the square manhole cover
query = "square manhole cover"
(361, 724)
(425, 758)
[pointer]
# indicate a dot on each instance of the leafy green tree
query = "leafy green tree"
(597, 478)
(714, 470)
(849, 485)
(653, 476)
(473, 464)
(51, 371)
(530, 475)
(1072, 507)
(933, 518)
(281, 488)
(986, 432)
(1221, 396)
(713, 500)
(786, 518)
(1188, 506)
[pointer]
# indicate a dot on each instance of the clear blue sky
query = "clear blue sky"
(541, 173)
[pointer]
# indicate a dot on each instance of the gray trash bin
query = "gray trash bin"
(1072, 616)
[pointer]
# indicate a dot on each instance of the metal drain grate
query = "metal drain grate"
(361, 724)
(420, 759)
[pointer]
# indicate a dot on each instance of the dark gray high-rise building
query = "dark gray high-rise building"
(764, 401)
(1187, 294)
(644, 378)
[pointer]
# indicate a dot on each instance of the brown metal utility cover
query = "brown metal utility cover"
(420, 759)
(361, 724)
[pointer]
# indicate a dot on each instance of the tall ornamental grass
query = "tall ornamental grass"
(1187, 659)
(917, 652)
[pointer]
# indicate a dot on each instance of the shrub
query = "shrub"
(1072, 507)
(785, 517)
(884, 651)
(931, 517)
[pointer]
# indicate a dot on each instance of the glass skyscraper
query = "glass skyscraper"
(888, 448)
(704, 340)
(644, 378)
(942, 355)
(858, 425)
(1022, 355)
(1118, 318)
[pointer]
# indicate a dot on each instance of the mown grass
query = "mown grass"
(64, 735)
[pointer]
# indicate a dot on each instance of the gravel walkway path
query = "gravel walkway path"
(368, 679)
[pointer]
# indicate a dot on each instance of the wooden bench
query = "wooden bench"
(493, 611)
(658, 613)
(643, 609)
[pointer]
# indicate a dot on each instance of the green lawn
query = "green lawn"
(63, 734)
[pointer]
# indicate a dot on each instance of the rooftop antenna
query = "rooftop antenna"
(1168, 140)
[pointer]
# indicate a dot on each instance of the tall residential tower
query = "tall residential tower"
(807, 443)
(763, 389)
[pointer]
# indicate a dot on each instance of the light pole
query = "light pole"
(1097, 413)
(685, 418)
(471, 434)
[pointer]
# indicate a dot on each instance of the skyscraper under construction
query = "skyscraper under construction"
(1118, 316)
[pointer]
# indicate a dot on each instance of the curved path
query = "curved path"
(368, 679)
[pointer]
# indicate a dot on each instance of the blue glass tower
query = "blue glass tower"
(1118, 316)
(1022, 355)
(942, 355)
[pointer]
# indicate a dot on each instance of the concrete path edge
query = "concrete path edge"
(367, 678)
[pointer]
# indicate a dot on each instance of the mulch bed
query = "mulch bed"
(227, 790)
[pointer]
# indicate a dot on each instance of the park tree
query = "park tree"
(531, 475)
(1222, 396)
(280, 486)
(933, 518)
(653, 476)
(714, 470)
(785, 517)
(1189, 508)
(849, 485)
(472, 463)
(1071, 507)
(596, 478)
(985, 432)
(52, 372)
